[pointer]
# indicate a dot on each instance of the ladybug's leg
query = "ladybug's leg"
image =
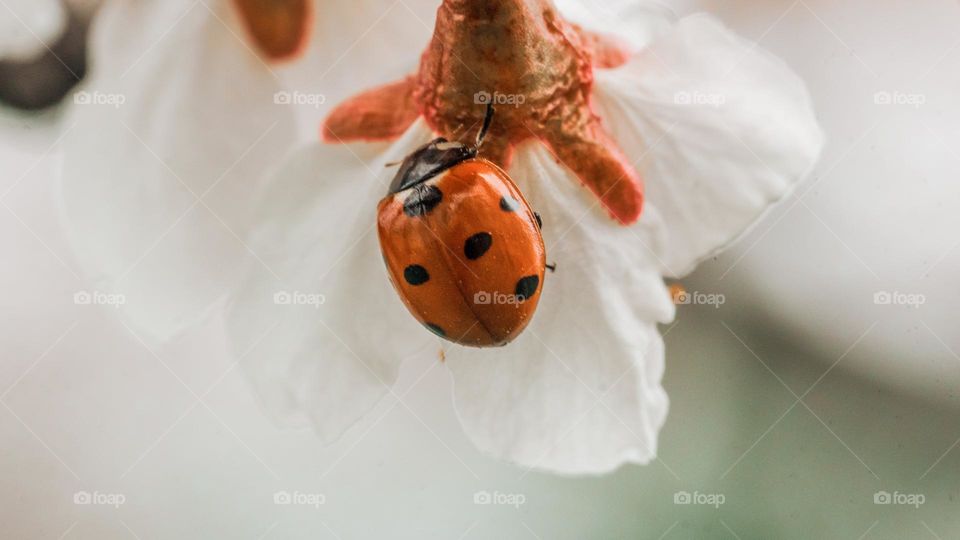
(597, 161)
(498, 150)
(380, 114)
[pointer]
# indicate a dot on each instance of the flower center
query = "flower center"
(519, 55)
(533, 66)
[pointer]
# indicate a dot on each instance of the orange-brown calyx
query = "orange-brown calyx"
(534, 66)
(279, 28)
(380, 114)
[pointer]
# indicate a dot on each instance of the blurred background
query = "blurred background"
(819, 400)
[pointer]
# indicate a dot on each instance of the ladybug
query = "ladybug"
(461, 245)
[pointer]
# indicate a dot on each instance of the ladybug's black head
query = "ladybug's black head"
(430, 160)
(437, 156)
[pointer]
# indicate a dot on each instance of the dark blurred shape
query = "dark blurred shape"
(44, 81)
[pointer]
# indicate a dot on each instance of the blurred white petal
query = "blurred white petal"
(636, 22)
(29, 27)
(719, 128)
(178, 107)
(199, 112)
(329, 346)
(356, 45)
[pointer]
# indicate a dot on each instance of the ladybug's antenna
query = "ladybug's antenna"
(456, 133)
(487, 120)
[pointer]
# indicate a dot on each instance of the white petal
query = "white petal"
(636, 22)
(357, 45)
(29, 27)
(324, 359)
(579, 391)
(178, 108)
(719, 129)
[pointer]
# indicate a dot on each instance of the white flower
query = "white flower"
(579, 392)
(168, 203)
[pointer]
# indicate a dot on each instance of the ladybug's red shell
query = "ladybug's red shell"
(464, 251)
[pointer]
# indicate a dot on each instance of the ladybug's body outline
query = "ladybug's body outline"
(461, 245)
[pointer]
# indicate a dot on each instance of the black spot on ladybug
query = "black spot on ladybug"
(422, 200)
(539, 220)
(416, 274)
(509, 204)
(477, 245)
(527, 287)
(436, 329)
